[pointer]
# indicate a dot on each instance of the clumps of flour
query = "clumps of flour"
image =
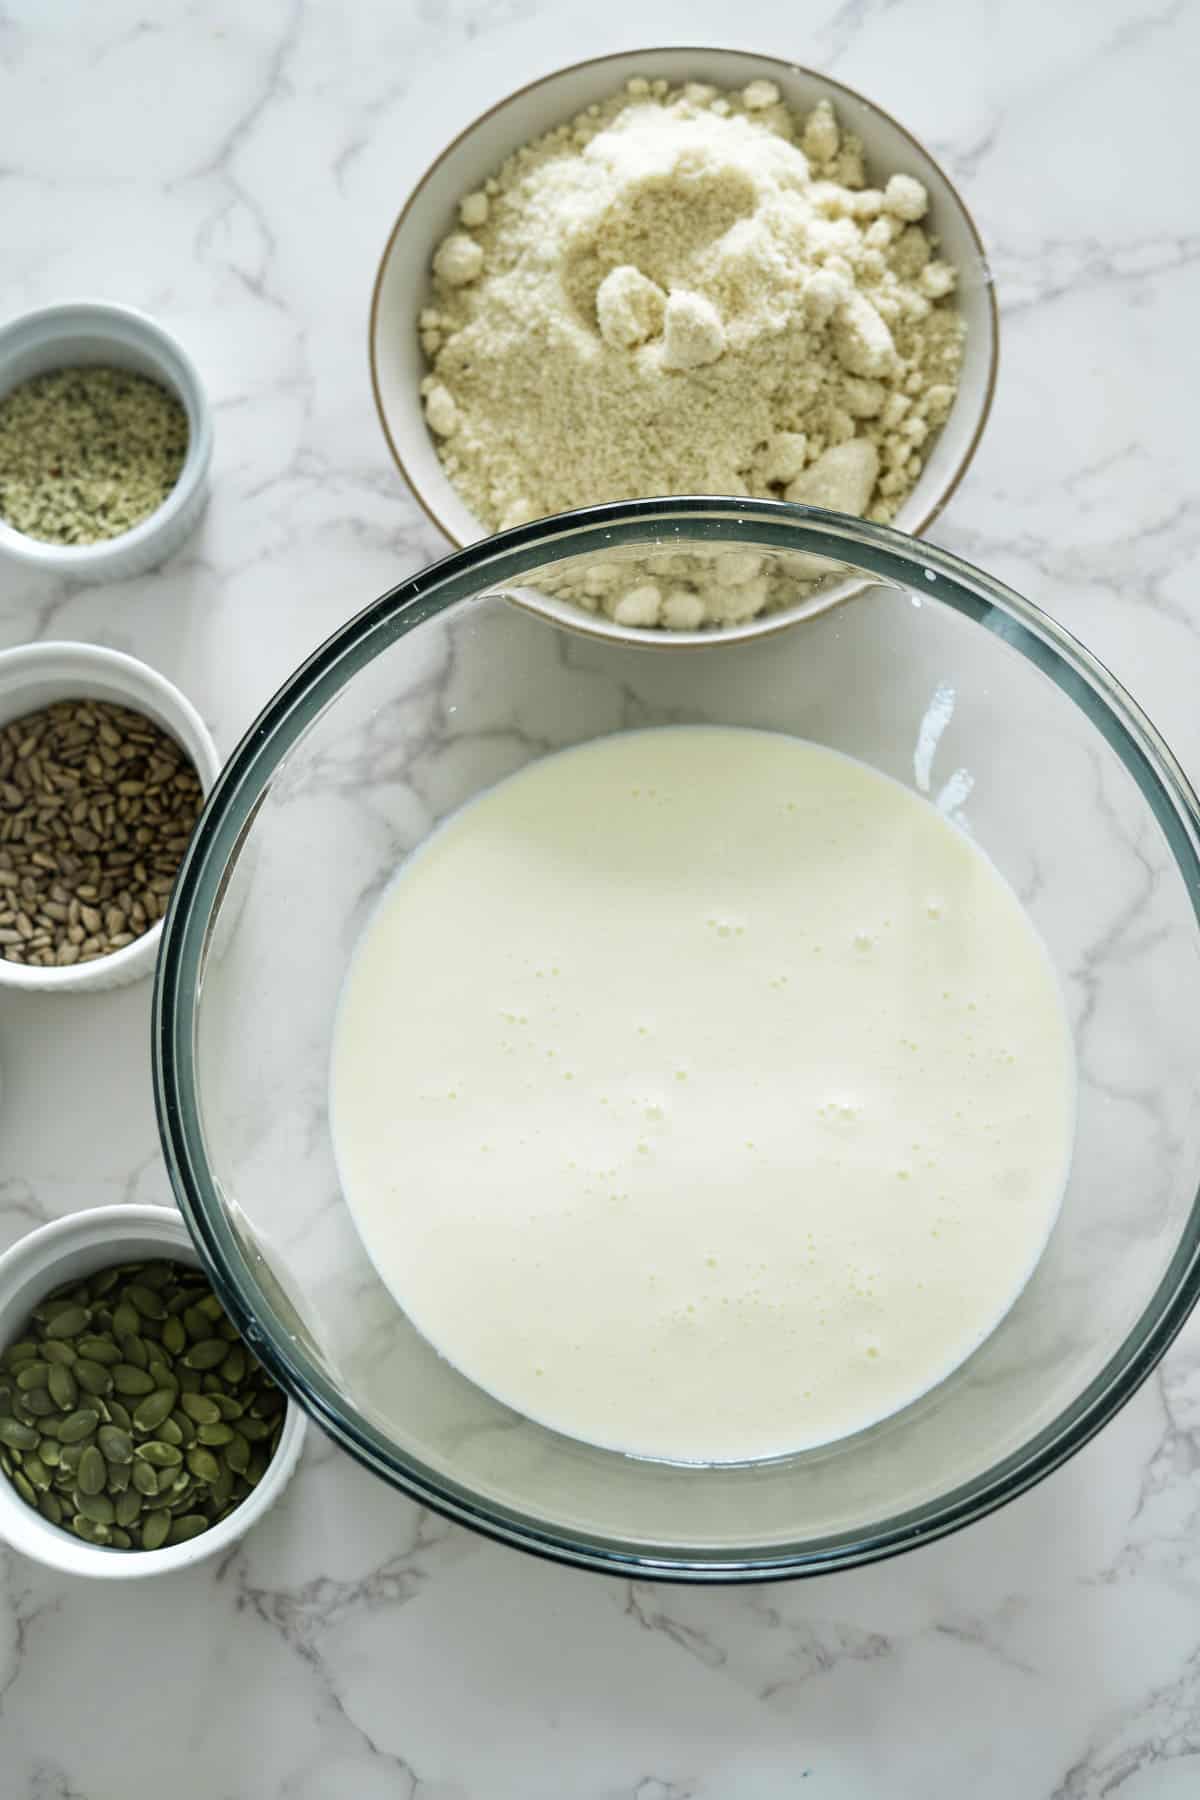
(688, 291)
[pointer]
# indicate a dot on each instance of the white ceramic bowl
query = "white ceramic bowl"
(67, 1250)
(402, 287)
(83, 332)
(35, 675)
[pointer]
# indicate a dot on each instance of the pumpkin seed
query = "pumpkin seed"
(200, 1407)
(90, 1530)
(117, 1445)
(118, 1477)
(92, 1474)
(120, 1540)
(145, 1300)
(133, 1348)
(186, 1527)
(120, 1414)
(237, 1453)
(155, 1527)
(36, 1403)
(50, 1507)
(128, 1507)
(206, 1354)
(144, 1478)
(99, 1350)
(172, 1431)
(214, 1435)
(151, 1412)
(93, 1377)
(233, 1369)
(96, 1507)
(32, 1375)
(203, 1464)
(78, 1425)
(55, 1350)
(128, 1379)
(25, 1351)
(36, 1471)
(160, 1455)
(24, 1487)
(18, 1436)
(62, 1386)
(126, 1321)
(68, 1322)
(50, 1450)
(174, 1336)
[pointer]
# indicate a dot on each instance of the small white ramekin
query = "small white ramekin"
(90, 332)
(36, 675)
(65, 1251)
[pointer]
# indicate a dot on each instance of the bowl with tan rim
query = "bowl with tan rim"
(403, 287)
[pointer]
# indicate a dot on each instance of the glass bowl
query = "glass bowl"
(930, 671)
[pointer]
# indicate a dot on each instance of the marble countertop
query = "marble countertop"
(234, 170)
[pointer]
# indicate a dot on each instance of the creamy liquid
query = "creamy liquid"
(702, 1093)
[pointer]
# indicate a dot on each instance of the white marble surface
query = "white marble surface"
(234, 169)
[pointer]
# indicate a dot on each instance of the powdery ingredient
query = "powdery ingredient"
(685, 291)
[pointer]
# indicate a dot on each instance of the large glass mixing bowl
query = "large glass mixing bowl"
(930, 671)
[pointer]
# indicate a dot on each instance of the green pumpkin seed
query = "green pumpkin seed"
(78, 1425)
(99, 1350)
(157, 1275)
(222, 1488)
(104, 1282)
(120, 1414)
(32, 1375)
(228, 1407)
(160, 1455)
(256, 1468)
(50, 1450)
(50, 1507)
(36, 1471)
(190, 1380)
(143, 1477)
(186, 1527)
(237, 1453)
(150, 1412)
(201, 1408)
(128, 1379)
(90, 1530)
(116, 1445)
(228, 1330)
(255, 1431)
(51, 1428)
(68, 1322)
(120, 1540)
(171, 1431)
(176, 1483)
(36, 1404)
(128, 1507)
(155, 1527)
(92, 1474)
(203, 1464)
(62, 1386)
(133, 1348)
(18, 1436)
(96, 1507)
(206, 1354)
(126, 1322)
(25, 1350)
(70, 1456)
(55, 1351)
(118, 1477)
(196, 1324)
(174, 1336)
(24, 1487)
(214, 1435)
(147, 1303)
(233, 1369)
(93, 1377)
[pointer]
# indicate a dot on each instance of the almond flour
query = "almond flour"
(688, 291)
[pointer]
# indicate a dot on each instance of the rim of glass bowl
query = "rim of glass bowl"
(876, 550)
